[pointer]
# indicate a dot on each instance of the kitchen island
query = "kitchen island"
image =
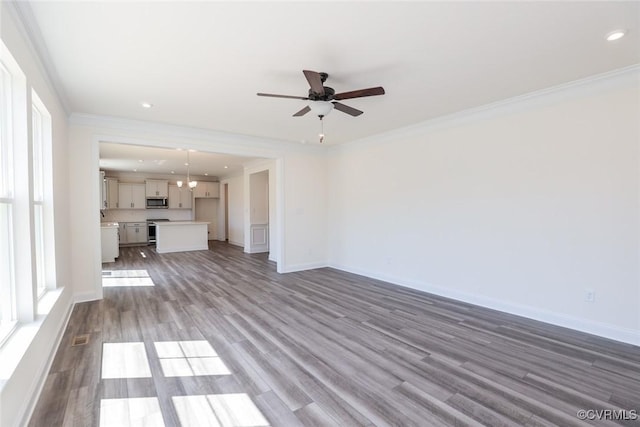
(109, 241)
(181, 236)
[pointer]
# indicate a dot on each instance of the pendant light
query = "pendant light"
(191, 184)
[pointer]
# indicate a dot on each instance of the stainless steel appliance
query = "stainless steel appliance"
(151, 230)
(157, 203)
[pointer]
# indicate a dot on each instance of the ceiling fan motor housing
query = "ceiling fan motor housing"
(328, 94)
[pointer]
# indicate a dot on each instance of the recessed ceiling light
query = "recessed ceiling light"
(173, 171)
(140, 161)
(616, 35)
(135, 170)
(226, 167)
(206, 174)
(146, 104)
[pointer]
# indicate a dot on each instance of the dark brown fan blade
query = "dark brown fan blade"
(346, 109)
(372, 91)
(315, 81)
(302, 112)
(281, 96)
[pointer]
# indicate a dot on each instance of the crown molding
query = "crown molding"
(547, 96)
(28, 27)
(111, 129)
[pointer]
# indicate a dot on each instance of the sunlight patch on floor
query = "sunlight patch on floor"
(125, 360)
(189, 358)
(118, 278)
(140, 411)
(227, 410)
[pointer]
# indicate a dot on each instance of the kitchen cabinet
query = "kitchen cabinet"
(133, 233)
(179, 198)
(131, 196)
(207, 190)
(157, 188)
(111, 190)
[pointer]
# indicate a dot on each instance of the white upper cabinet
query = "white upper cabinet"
(109, 192)
(157, 188)
(131, 196)
(111, 199)
(179, 198)
(207, 190)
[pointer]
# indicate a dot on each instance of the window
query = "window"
(7, 275)
(27, 247)
(40, 153)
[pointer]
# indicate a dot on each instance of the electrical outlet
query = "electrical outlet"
(590, 295)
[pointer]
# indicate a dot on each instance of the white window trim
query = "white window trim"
(29, 303)
(10, 85)
(45, 276)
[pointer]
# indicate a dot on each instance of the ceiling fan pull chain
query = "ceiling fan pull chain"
(321, 129)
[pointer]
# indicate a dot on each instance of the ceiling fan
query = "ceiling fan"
(324, 98)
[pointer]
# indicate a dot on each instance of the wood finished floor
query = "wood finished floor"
(326, 348)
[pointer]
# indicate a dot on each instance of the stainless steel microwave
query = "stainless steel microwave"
(157, 203)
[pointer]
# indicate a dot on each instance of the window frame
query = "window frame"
(8, 294)
(27, 246)
(41, 189)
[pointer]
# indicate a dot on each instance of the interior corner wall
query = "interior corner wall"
(522, 209)
(19, 392)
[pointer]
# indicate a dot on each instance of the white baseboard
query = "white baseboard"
(86, 297)
(302, 267)
(629, 336)
(257, 251)
(240, 244)
(41, 377)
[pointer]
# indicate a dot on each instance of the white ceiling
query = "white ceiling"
(144, 160)
(201, 63)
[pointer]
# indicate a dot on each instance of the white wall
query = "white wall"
(20, 386)
(85, 217)
(236, 208)
(522, 208)
(305, 213)
(259, 197)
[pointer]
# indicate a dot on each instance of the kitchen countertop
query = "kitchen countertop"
(172, 223)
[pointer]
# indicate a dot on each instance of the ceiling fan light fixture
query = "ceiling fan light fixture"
(321, 108)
